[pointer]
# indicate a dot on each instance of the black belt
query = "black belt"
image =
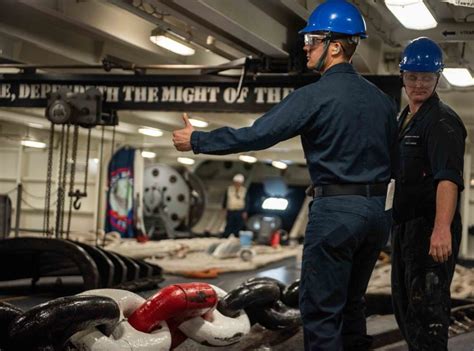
(377, 189)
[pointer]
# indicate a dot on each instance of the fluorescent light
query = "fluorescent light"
(33, 143)
(95, 160)
(9, 70)
(247, 158)
(35, 125)
(198, 123)
(459, 77)
(412, 14)
(279, 164)
(148, 154)
(150, 131)
(275, 203)
(472, 182)
(171, 44)
(186, 160)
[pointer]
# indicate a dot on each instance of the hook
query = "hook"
(77, 203)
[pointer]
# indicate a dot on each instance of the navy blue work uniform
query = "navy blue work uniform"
(431, 150)
(349, 135)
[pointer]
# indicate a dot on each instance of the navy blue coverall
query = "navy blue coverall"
(431, 150)
(349, 135)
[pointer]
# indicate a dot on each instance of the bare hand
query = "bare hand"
(182, 137)
(440, 245)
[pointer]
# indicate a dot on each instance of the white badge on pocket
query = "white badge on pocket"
(390, 194)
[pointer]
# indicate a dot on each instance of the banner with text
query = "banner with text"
(167, 93)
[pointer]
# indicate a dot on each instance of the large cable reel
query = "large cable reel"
(177, 196)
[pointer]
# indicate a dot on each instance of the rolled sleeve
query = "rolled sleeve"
(446, 142)
(452, 176)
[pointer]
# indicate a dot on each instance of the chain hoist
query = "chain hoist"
(70, 110)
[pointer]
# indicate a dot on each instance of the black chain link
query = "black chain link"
(265, 302)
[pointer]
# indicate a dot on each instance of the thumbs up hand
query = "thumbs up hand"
(182, 137)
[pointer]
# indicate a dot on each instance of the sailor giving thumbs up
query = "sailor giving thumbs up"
(182, 137)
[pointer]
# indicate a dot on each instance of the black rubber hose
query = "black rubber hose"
(50, 325)
(249, 294)
(279, 316)
(8, 313)
(290, 295)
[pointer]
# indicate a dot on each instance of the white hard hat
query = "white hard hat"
(238, 178)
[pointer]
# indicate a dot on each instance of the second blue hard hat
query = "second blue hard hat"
(422, 55)
(337, 16)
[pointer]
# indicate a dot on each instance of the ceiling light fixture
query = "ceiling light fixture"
(33, 143)
(412, 14)
(198, 123)
(161, 38)
(279, 164)
(458, 77)
(186, 160)
(150, 131)
(247, 158)
(148, 154)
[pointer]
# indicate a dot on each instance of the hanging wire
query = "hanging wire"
(36, 196)
(11, 191)
(35, 207)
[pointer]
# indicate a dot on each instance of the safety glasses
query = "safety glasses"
(313, 39)
(425, 79)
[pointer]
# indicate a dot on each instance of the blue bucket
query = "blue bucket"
(246, 237)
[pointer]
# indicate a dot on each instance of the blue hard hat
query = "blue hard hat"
(422, 55)
(337, 16)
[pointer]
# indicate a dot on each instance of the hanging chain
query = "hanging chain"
(60, 196)
(48, 182)
(73, 174)
(98, 184)
(66, 155)
(87, 161)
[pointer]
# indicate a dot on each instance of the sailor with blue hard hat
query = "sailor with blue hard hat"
(427, 231)
(348, 132)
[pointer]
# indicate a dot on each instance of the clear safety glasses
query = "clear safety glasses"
(313, 39)
(425, 79)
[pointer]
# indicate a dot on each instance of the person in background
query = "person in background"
(427, 230)
(348, 131)
(235, 204)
